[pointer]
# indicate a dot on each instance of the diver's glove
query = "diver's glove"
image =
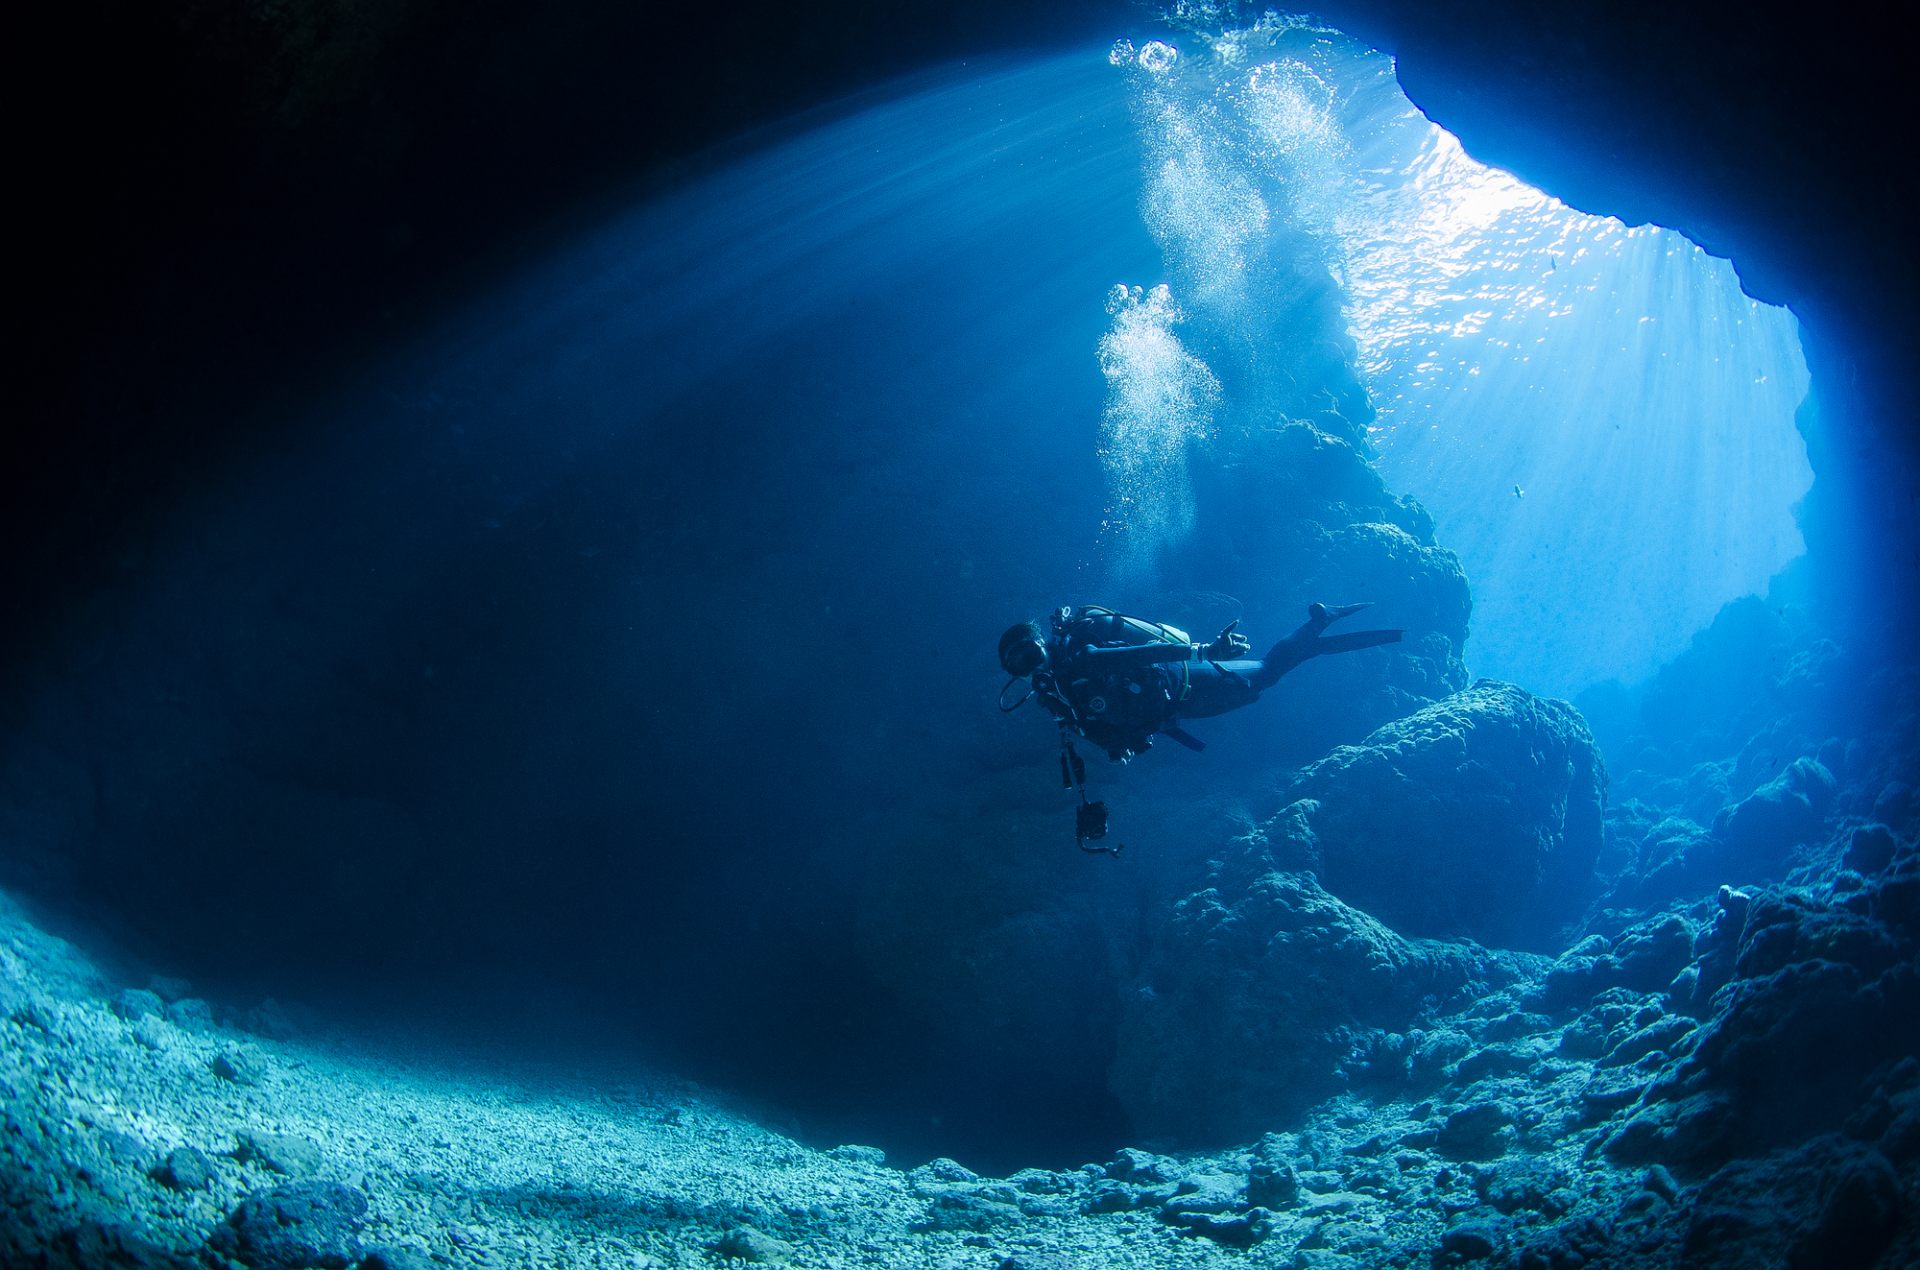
(1227, 645)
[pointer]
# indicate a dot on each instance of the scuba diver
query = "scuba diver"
(1118, 681)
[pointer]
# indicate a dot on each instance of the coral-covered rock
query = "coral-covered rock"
(1896, 803)
(1303, 516)
(744, 1243)
(1827, 1205)
(1896, 900)
(1652, 953)
(1255, 993)
(397, 1259)
(1677, 860)
(284, 1153)
(1272, 1181)
(1870, 849)
(1764, 1068)
(1479, 816)
(1780, 815)
(1476, 1132)
(1421, 584)
(1470, 1241)
(1646, 958)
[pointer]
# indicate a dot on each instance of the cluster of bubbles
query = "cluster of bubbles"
(1296, 137)
(1155, 56)
(1205, 209)
(1250, 137)
(1160, 399)
(1235, 139)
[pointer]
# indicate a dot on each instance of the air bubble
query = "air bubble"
(1158, 57)
(1121, 54)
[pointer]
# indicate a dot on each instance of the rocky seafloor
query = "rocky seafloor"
(1461, 999)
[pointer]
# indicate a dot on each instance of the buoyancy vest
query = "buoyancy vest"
(1117, 704)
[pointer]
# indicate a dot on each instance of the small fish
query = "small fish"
(1518, 492)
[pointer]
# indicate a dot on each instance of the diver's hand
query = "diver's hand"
(1228, 645)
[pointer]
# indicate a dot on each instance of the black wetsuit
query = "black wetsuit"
(1118, 680)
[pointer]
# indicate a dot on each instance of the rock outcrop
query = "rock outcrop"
(1773, 981)
(1256, 992)
(1478, 817)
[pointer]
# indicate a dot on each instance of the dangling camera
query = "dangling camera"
(1090, 822)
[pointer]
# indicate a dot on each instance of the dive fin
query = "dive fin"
(1174, 732)
(1321, 616)
(1355, 640)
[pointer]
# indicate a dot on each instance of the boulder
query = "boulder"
(134, 1004)
(403, 1258)
(234, 1067)
(744, 1243)
(1772, 1047)
(1780, 815)
(1476, 1132)
(1896, 804)
(169, 988)
(1470, 1241)
(185, 1169)
(96, 1242)
(1783, 977)
(1677, 860)
(1827, 1204)
(1272, 1181)
(190, 1012)
(283, 1153)
(1871, 849)
(1476, 817)
(301, 1226)
(1420, 584)
(1256, 992)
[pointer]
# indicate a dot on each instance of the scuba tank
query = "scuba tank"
(1118, 709)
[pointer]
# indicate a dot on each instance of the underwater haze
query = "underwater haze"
(605, 686)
